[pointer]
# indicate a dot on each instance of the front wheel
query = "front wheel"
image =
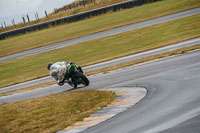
(85, 80)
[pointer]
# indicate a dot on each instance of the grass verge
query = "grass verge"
(32, 67)
(52, 113)
(122, 65)
(96, 24)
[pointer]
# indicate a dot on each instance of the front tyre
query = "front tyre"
(85, 80)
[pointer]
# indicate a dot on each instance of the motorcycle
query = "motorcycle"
(79, 77)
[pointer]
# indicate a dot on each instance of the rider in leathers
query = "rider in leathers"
(61, 71)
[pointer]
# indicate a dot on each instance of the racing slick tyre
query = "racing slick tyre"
(85, 80)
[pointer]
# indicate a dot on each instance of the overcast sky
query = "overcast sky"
(15, 9)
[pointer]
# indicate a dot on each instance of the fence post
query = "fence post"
(13, 22)
(55, 10)
(36, 16)
(5, 24)
(28, 18)
(46, 13)
(23, 19)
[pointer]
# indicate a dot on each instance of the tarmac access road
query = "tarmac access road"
(172, 102)
(103, 34)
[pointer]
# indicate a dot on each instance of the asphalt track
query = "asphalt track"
(103, 34)
(172, 101)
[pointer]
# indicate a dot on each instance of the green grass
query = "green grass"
(96, 24)
(32, 67)
(52, 113)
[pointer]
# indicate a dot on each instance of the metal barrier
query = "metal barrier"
(74, 18)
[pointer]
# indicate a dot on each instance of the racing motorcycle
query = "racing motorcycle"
(79, 77)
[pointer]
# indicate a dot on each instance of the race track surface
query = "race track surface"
(172, 101)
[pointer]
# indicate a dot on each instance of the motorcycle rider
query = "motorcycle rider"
(61, 71)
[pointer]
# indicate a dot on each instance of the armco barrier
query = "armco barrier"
(74, 18)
